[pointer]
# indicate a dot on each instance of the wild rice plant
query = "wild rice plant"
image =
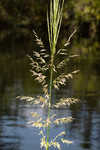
(47, 66)
(46, 69)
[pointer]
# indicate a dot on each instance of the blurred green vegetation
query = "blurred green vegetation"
(19, 17)
(21, 12)
(86, 14)
(33, 12)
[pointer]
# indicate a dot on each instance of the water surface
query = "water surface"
(15, 79)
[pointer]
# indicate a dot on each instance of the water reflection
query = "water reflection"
(15, 79)
(84, 130)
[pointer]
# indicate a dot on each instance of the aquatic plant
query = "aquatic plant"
(47, 69)
(47, 65)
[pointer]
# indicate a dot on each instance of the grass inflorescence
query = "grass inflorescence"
(46, 69)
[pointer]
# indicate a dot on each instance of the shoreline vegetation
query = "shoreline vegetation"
(31, 14)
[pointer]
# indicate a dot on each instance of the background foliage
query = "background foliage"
(31, 12)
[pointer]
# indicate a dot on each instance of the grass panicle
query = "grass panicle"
(42, 124)
(47, 70)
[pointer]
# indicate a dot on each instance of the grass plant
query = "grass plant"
(47, 69)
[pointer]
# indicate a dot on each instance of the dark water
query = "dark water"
(15, 79)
